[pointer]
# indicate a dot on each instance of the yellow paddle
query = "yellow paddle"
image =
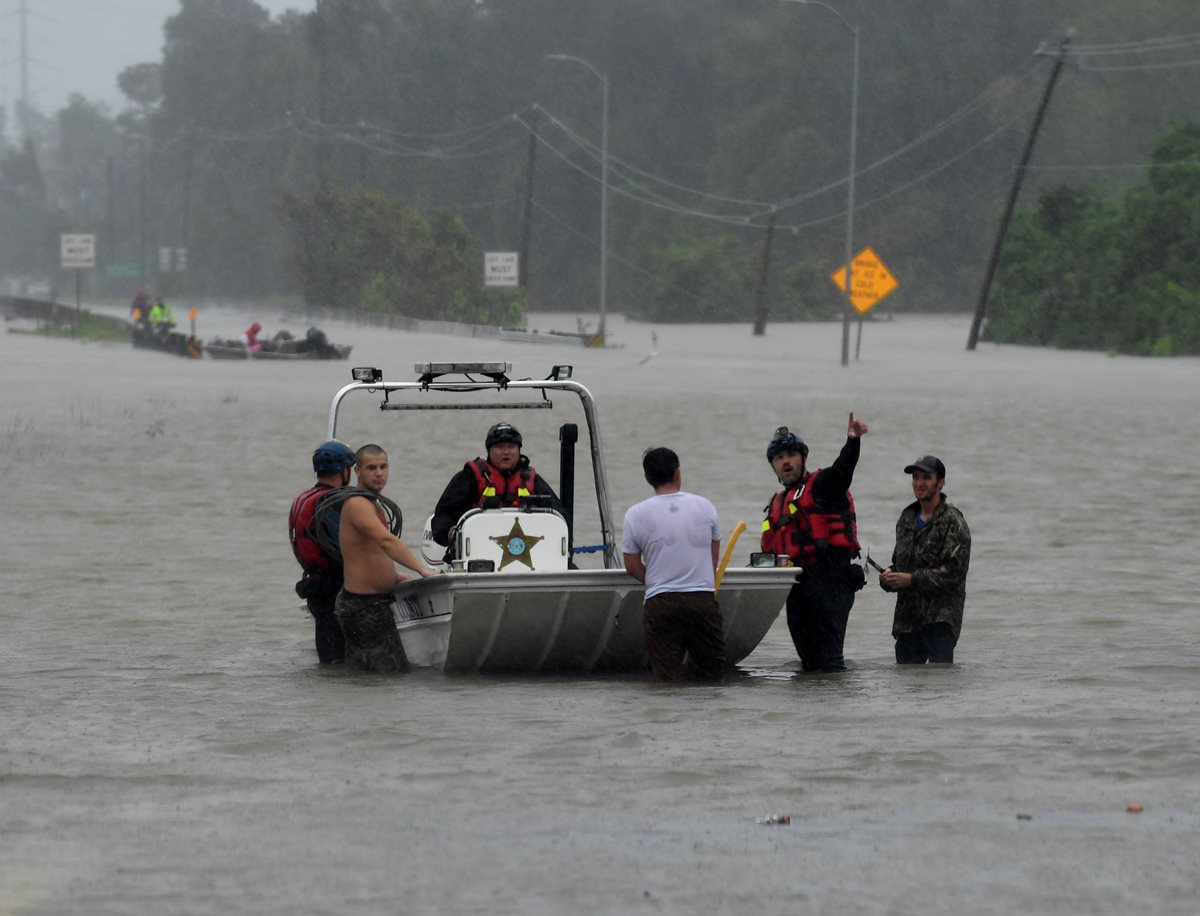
(738, 529)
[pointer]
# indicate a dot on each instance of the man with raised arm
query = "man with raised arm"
(812, 521)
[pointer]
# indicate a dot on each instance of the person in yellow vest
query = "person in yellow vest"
(161, 316)
(502, 479)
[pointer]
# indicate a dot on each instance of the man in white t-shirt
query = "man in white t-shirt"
(671, 542)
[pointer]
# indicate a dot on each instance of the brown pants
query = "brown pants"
(369, 625)
(680, 624)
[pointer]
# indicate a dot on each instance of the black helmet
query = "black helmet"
(502, 432)
(332, 456)
(785, 440)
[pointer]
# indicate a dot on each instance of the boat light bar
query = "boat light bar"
(528, 405)
(462, 368)
(366, 374)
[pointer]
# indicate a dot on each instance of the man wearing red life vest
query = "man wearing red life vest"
(812, 521)
(322, 578)
(497, 482)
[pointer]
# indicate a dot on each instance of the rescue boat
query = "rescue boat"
(513, 598)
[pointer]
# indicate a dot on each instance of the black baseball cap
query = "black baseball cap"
(930, 464)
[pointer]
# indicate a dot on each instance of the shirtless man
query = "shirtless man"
(364, 605)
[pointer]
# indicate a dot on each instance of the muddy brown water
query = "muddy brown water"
(171, 745)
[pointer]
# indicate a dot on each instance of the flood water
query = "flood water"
(170, 744)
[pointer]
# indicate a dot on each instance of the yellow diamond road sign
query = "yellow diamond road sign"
(871, 280)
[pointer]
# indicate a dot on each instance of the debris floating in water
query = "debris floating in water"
(1133, 808)
(1024, 817)
(775, 819)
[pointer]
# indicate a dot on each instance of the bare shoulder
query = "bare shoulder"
(359, 508)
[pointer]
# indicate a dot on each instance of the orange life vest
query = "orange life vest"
(797, 527)
(517, 484)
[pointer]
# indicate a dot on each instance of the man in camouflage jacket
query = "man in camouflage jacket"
(929, 569)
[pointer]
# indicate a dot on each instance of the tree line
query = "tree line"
(1084, 271)
(365, 153)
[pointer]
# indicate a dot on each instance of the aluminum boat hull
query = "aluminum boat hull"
(576, 621)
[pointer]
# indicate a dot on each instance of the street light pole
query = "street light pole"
(603, 77)
(848, 306)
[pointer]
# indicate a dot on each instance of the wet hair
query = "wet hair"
(659, 465)
(369, 449)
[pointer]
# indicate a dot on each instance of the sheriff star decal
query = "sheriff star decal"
(517, 546)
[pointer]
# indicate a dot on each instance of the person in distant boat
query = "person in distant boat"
(812, 521)
(503, 479)
(928, 572)
(364, 606)
(161, 316)
(315, 341)
(670, 543)
(322, 577)
(138, 308)
(250, 338)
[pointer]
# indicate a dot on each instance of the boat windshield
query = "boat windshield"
(436, 422)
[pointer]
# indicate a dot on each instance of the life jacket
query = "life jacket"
(308, 552)
(511, 488)
(797, 527)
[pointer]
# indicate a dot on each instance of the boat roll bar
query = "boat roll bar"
(489, 376)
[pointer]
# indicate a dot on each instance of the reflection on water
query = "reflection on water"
(171, 744)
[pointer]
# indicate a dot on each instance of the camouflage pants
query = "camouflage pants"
(369, 626)
(684, 622)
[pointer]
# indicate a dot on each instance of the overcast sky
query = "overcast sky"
(81, 45)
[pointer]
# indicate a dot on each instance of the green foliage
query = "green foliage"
(62, 323)
(1084, 272)
(703, 276)
(696, 276)
(745, 102)
(366, 251)
(29, 225)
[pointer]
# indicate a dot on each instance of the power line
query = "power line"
(1133, 47)
(1111, 68)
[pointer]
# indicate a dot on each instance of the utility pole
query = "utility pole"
(22, 103)
(1015, 190)
(23, 106)
(108, 241)
(322, 87)
(185, 205)
(527, 219)
(142, 211)
(760, 300)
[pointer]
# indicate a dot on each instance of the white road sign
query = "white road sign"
(78, 250)
(500, 268)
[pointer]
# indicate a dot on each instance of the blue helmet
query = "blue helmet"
(502, 432)
(785, 440)
(332, 456)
